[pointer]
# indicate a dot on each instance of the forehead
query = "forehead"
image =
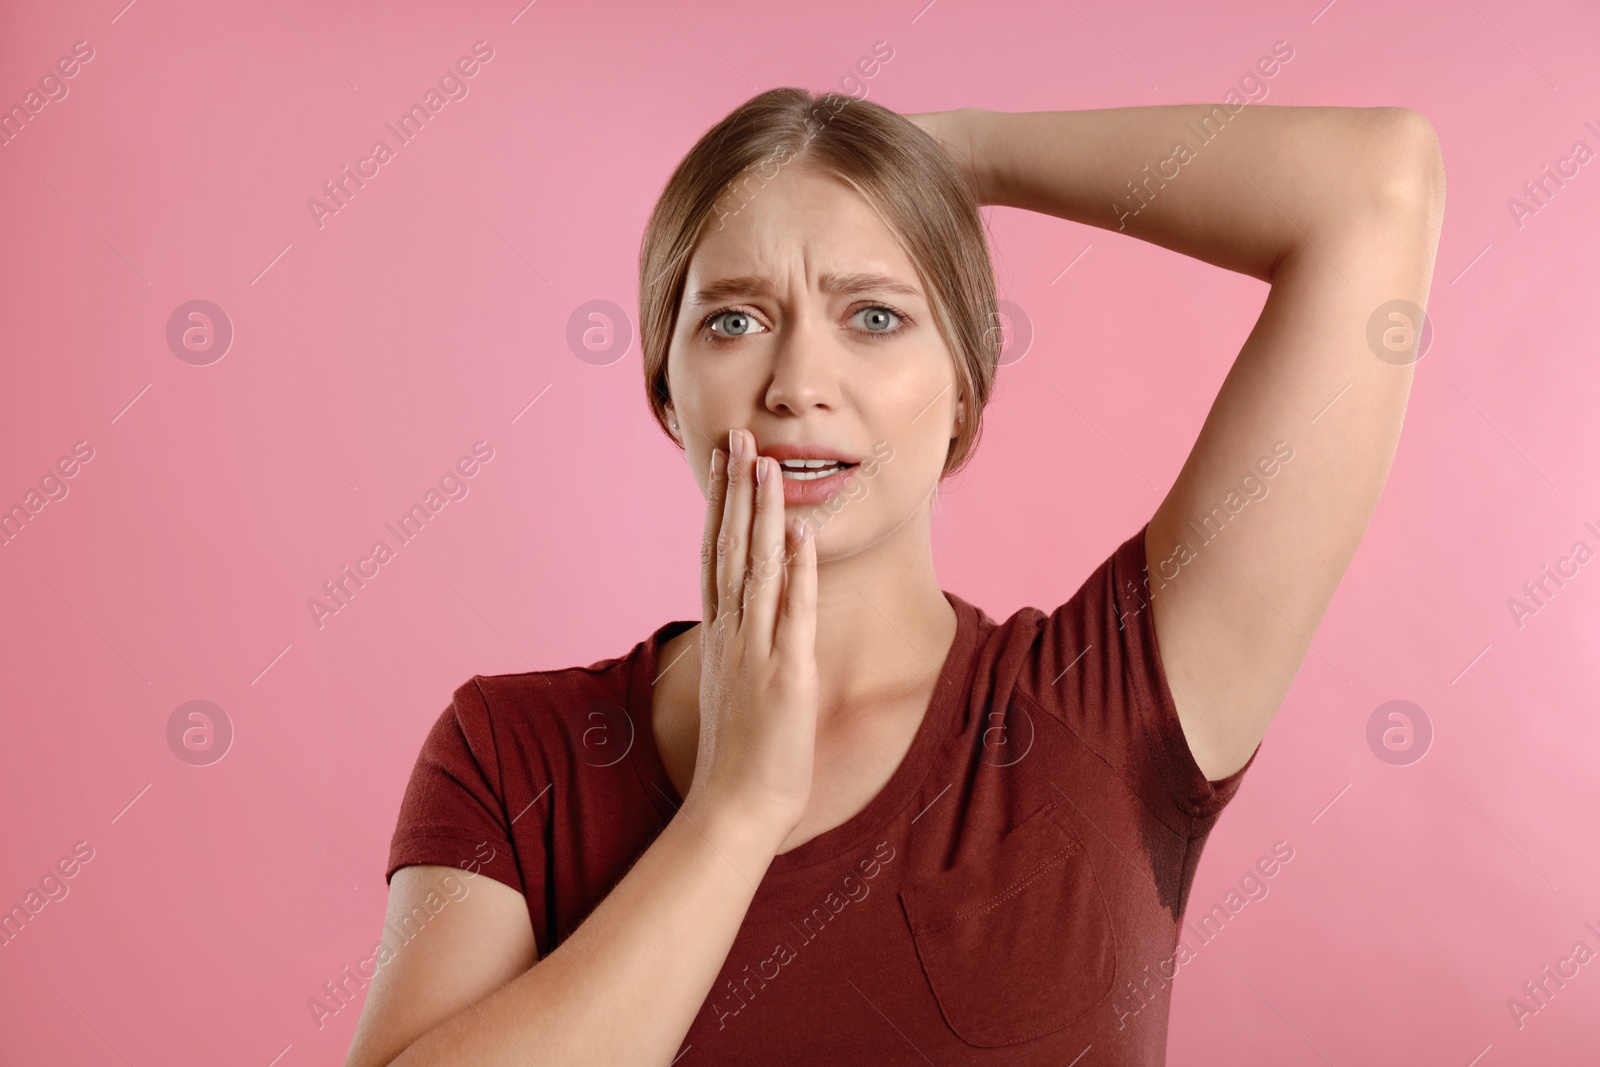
(802, 226)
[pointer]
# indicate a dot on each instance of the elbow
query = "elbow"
(1408, 164)
(1385, 173)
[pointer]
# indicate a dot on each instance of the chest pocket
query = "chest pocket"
(1017, 944)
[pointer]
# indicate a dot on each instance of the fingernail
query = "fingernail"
(736, 444)
(717, 464)
(761, 470)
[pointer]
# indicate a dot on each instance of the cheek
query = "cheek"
(919, 454)
(904, 471)
(911, 439)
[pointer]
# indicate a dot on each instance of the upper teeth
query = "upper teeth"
(808, 469)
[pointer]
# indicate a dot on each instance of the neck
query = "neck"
(883, 622)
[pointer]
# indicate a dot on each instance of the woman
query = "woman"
(849, 818)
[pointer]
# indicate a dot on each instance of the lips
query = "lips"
(812, 473)
(815, 485)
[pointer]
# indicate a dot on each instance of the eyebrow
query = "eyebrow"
(844, 283)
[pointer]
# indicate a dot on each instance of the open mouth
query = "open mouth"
(807, 470)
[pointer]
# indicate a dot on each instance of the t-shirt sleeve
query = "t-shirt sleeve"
(454, 812)
(1095, 664)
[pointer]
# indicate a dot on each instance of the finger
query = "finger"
(764, 580)
(795, 639)
(733, 539)
(716, 491)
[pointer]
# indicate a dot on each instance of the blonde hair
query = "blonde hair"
(897, 167)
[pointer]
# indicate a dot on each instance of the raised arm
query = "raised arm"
(1339, 209)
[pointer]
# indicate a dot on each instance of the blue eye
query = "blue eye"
(737, 323)
(877, 313)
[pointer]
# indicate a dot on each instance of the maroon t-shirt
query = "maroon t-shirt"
(1013, 895)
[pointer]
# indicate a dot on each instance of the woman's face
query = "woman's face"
(804, 323)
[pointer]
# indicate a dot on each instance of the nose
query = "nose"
(805, 369)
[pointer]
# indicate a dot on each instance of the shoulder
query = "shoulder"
(529, 709)
(497, 694)
(1091, 661)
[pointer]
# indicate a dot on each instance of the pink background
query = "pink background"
(428, 313)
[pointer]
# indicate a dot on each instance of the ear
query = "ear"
(960, 420)
(672, 423)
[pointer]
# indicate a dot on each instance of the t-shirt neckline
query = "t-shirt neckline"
(949, 691)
